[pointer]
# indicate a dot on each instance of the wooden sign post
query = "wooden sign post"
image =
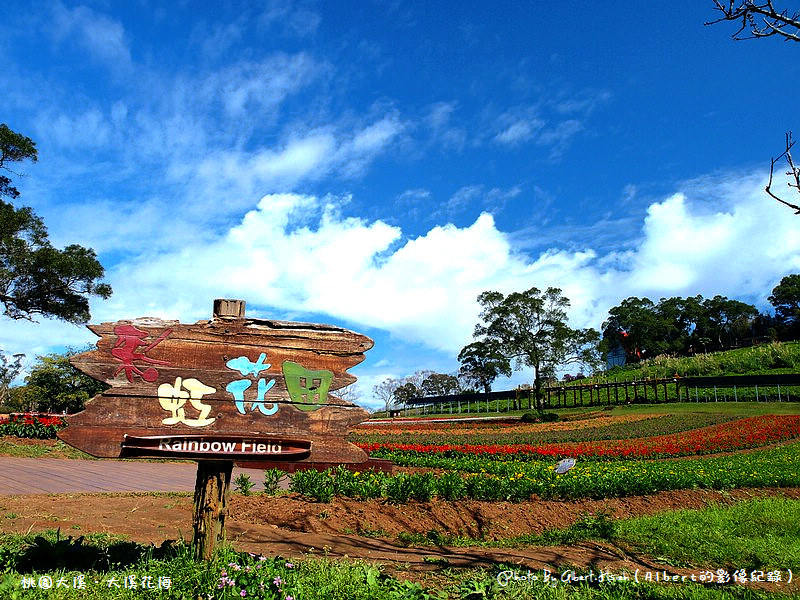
(231, 389)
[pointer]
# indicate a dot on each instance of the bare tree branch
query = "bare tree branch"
(793, 173)
(760, 19)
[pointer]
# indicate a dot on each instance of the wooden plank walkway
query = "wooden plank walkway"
(53, 476)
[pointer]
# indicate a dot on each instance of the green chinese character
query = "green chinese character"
(307, 389)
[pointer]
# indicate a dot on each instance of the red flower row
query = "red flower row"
(734, 435)
(30, 419)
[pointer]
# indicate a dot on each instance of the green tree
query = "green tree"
(682, 321)
(405, 392)
(637, 326)
(531, 330)
(727, 320)
(482, 362)
(676, 325)
(785, 298)
(10, 367)
(54, 385)
(440, 384)
(35, 277)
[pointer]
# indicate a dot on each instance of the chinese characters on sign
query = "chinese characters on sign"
(237, 388)
(79, 582)
(129, 338)
(227, 380)
(172, 398)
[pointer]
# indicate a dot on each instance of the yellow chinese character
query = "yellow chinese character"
(172, 398)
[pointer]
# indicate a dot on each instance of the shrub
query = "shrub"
(450, 485)
(272, 477)
(243, 484)
(540, 417)
(315, 484)
(398, 489)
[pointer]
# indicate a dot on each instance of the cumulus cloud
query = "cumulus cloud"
(301, 255)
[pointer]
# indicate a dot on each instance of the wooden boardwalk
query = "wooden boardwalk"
(53, 476)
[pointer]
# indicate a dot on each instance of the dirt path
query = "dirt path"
(291, 526)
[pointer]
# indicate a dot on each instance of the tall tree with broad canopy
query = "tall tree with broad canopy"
(727, 320)
(531, 330)
(482, 362)
(35, 277)
(405, 392)
(637, 327)
(440, 384)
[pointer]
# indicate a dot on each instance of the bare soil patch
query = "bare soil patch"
(292, 526)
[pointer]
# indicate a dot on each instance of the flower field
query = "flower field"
(455, 468)
(507, 432)
(730, 436)
(475, 478)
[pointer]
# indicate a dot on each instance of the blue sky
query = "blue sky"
(377, 165)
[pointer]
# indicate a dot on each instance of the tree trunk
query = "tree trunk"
(210, 506)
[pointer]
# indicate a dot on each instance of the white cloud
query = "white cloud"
(491, 200)
(559, 136)
(414, 195)
(303, 156)
(518, 132)
(463, 197)
(439, 122)
(583, 102)
(291, 17)
(299, 254)
(256, 87)
(738, 249)
(102, 36)
(439, 114)
(89, 129)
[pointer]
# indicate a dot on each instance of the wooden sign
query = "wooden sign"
(229, 388)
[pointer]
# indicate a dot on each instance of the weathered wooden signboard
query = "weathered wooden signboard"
(225, 389)
(218, 391)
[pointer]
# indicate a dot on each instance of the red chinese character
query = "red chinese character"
(127, 351)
